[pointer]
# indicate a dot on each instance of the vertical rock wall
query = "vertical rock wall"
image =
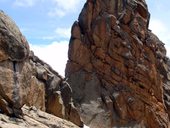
(117, 68)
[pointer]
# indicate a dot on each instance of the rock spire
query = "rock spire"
(117, 68)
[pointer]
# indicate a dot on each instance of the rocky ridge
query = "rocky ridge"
(27, 80)
(117, 68)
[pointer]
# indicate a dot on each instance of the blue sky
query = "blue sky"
(43, 21)
(46, 25)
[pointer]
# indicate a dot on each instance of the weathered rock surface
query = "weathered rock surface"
(117, 68)
(34, 118)
(25, 79)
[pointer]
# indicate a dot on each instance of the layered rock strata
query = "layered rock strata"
(117, 68)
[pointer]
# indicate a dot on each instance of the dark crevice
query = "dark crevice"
(103, 99)
(14, 66)
(115, 115)
(141, 86)
(120, 6)
(15, 97)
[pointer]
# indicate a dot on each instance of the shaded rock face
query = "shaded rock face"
(117, 68)
(13, 45)
(25, 79)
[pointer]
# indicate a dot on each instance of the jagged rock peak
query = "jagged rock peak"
(117, 68)
(27, 80)
(122, 10)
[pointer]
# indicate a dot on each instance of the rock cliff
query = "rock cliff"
(117, 68)
(27, 80)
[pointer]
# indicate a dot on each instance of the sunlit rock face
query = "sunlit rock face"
(34, 118)
(117, 68)
(27, 80)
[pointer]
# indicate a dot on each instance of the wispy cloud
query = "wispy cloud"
(63, 32)
(49, 37)
(63, 7)
(56, 12)
(59, 33)
(55, 54)
(24, 3)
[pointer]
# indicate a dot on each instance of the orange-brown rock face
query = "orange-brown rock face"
(25, 79)
(117, 68)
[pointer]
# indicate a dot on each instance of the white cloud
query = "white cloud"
(162, 30)
(55, 54)
(63, 32)
(157, 26)
(59, 33)
(50, 37)
(63, 7)
(24, 3)
(56, 12)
